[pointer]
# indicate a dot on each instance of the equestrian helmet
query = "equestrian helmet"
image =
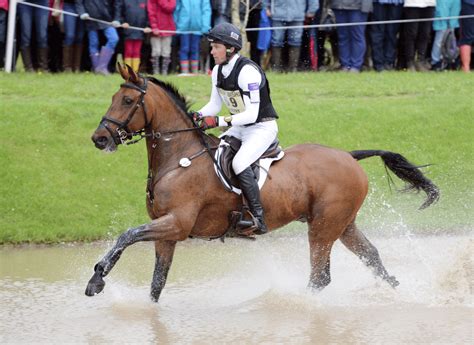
(227, 34)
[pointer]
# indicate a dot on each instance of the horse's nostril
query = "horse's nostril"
(101, 140)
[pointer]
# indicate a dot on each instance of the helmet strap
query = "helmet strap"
(229, 54)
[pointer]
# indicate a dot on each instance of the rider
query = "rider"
(242, 86)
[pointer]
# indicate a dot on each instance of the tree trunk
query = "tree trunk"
(235, 17)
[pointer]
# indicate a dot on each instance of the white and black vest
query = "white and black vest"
(232, 94)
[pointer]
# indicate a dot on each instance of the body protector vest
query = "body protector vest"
(232, 94)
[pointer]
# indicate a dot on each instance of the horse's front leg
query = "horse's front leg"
(164, 251)
(164, 228)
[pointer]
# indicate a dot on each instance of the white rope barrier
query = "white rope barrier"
(13, 6)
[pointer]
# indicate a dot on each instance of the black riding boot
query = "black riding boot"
(249, 186)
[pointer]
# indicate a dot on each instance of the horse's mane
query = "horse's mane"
(172, 90)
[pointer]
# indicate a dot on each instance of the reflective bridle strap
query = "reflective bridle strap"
(123, 132)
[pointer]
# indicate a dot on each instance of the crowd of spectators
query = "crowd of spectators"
(58, 42)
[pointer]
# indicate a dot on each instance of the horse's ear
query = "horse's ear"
(133, 77)
(123, 72)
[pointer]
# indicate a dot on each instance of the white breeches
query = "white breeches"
(256, 139)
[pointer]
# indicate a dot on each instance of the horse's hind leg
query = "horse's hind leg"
(320, 259)
(356, 242)
(163, 258)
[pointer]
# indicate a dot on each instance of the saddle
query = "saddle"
(225, 153)
(242, 222)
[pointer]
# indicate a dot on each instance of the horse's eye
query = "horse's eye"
(127, 101)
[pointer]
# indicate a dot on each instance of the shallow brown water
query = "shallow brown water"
(240, 292)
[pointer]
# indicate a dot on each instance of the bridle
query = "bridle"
(122, 134)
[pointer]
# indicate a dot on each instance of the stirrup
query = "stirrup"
(250, 227)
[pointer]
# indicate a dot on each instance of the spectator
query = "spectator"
(383, 37)
(467, 34)
(3, 30)
(444, 8)
(38, 17)
(328, 59)
(221, 11)
(73, 36)
(351, 39)
(160, 15)
(195, 16)
(288, 13)
(132, 13)
(103, 10)
(255, 9)
(417, 34)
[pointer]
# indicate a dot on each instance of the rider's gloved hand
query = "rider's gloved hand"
(208, 122)
(84, 16)
(196, 115)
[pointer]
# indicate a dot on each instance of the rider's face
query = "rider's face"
(218, 52)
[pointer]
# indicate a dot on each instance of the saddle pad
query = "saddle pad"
(264, 168)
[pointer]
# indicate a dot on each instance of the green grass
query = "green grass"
(55, 186)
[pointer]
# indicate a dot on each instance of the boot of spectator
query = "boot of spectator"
(104, 59)
(465, 54)
(155, 64)
(422, 66)
(2, 55)
(194, 66)
(276, 59)
(43, 59)
(184, 66)
(67, 58)
(76, 57)
(293, 59)
(94, 61)
(165, 64)
(26, 57)
(136, 64)
(411, 66)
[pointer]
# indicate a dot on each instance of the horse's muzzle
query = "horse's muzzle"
(103, 142)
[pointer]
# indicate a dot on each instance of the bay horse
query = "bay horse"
(322, 186)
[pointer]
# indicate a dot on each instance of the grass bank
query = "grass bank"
(55, 186)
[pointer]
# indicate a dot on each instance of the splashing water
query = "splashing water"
(242, 292)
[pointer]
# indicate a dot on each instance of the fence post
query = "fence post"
(10, 35)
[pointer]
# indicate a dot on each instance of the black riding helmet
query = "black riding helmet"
(227, 34)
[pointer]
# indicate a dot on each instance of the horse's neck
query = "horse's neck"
(165, 151)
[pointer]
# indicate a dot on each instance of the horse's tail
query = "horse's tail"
(405, 171)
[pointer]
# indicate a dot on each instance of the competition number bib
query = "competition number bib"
(233, 100)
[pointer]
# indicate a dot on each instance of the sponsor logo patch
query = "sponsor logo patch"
(234, 35)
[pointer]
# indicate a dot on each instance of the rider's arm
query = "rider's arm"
(249, 81)
(215, 102)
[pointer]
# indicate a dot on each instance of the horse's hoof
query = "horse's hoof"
(96, 285)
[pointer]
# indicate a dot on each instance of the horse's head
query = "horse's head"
(126, 115)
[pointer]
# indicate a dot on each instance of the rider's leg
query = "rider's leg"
(255, 141)
(249, 186)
